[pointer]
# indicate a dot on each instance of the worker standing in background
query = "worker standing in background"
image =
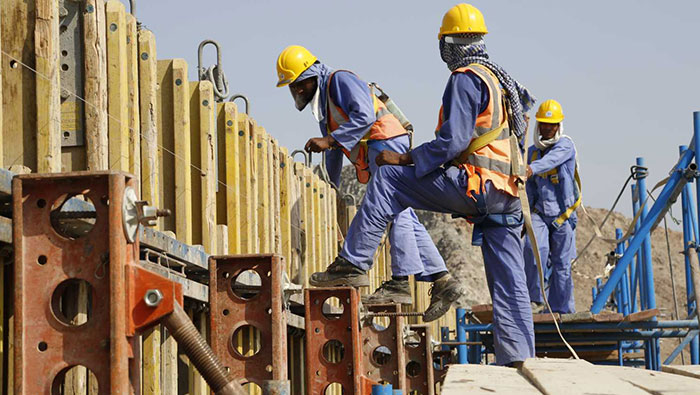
(554, 195)
(354, 122)
(467, 171)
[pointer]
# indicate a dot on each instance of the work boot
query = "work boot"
(340, 273)
(537, 307)
(444, 291)
(392, 291)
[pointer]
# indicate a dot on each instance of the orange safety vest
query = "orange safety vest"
(385, 127)
(488, 156)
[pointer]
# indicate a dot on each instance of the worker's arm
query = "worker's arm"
(353, 96)
(465, 97)
(562, 151)
(334, 165)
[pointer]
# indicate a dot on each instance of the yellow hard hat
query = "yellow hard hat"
(462, 18)
(293, 61)
(550, 112)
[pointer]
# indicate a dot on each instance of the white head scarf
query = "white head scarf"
(544, 144)
(316, 104)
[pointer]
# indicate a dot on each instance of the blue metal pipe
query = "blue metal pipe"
(687, 204)
(648, 271)
(624, 303)
(462, 335)
(382, 389)
(637, 263)
(644, 229)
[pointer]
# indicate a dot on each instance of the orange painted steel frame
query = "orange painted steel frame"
(46, 344)
(265, 311)
(421, 354)
(391, 337)
(320, 373)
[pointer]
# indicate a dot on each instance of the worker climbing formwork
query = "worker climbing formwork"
(356, 123)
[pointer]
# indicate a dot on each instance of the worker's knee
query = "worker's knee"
(387, 173)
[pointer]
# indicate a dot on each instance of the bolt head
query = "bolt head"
(153, 297)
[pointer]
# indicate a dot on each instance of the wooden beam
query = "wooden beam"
(318, 224)
(165, 161)
(307, 190)
(262, 141)
(485, 379)
(245, 175)
(152, 361)
(254, 185)
(48, 87)
(18, 84)
(230, 176)
(2, 61)
(286, 203)
(276, 196)
(688, 370)
(95, 79)
(181, 132)
(134, 112)
(148, 103)
(195, 156)
(117, 87)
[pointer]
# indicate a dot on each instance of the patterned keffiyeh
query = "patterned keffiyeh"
(471, 50)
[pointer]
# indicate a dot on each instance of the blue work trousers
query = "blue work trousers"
(412, 250)
(393, 189)
(557, 249)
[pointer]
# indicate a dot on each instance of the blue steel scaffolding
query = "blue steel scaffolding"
(629, 287)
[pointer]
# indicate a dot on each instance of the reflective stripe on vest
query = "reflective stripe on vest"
(553, 176)
(385, 127)
(488, 156)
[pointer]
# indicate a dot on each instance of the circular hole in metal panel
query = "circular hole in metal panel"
(381, 355)
(42, 260)
(247, 284)
(247, 341)
(380, 324)
(73, 216)
(252, 388)
(332, 308)
(413, 368)
(41, 203)
(334, 389)
(225, 312)
(42, 346)
(69, 375)
(71, 302)
(333, 351)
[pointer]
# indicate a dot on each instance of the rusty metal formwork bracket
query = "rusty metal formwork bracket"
(383, 347)
(419, 361)
(325, 325)
(259, 303)
(57, 250)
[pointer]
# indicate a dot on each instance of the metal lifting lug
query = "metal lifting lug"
(214, 74)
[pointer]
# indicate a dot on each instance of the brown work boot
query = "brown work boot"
(537, 307)
(444, 291)
(392, 291)
(340, 273)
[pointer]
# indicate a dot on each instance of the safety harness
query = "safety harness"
(554, 178)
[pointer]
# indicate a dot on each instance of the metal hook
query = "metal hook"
(214, 74)
(132, 7)
(349, 199)
(245, 99)
(307, 156)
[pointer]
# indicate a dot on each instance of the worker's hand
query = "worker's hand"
(394, 158)
(319, 144)
(528, 172)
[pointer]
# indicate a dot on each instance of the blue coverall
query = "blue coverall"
(557, 244)
(430, 186)
(412, 250)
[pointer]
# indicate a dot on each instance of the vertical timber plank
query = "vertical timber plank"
(196, 178)
(323, 234)
(117, 87)
(181, 134)
(168, 363)
(262, 142)
(276, 196)
(18, 84)
(148, 103)
(254, 181)
(95, 77)
(230, 163)
(165, 161)
(244, 175)
(48, 87)
(286, 203)
(152, 361)
(310, 226)
(132, 73)
(318, 224)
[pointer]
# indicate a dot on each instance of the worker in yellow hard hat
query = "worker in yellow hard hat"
(354, 122)
(554, 192)
(466, 171)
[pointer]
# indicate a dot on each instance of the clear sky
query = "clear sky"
(625, 71)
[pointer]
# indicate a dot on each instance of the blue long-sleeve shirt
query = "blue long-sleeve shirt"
(465, 97)
(549, 199)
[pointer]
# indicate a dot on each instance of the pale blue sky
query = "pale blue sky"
(624, 71)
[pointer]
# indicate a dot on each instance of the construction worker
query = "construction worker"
(355, 123)
(467, 171)
(554, 195)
